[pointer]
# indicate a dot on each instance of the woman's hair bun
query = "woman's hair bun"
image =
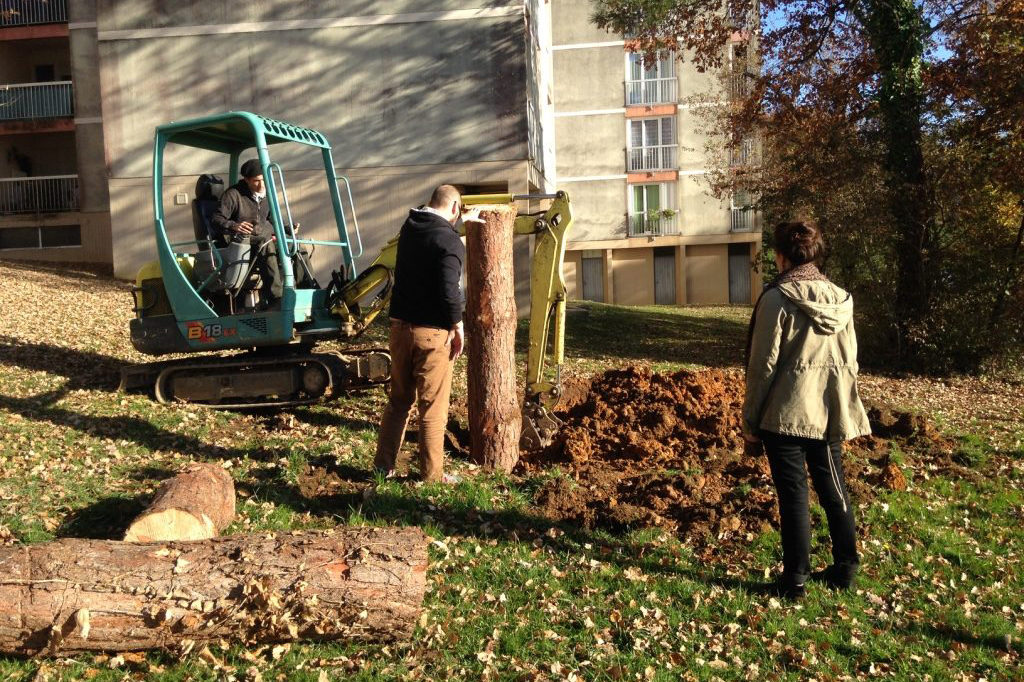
(799, 241)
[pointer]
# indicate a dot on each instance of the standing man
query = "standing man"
(244, 212)
(426, 331)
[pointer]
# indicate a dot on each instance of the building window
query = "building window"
(40, 237)
(650, 82)
(652, 210)
(652, 143)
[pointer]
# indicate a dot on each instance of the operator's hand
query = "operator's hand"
(244, 227)
(455, 340)
(472, 215)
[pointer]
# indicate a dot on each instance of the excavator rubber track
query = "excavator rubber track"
(256, 380)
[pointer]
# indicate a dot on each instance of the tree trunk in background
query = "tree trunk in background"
(71, 595)
(895, 29)
(194, 505)
(494, 413)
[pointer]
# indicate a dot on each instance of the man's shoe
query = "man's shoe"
(837, 576)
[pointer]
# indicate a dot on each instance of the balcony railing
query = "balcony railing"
(743, 155)
(645, 225)
(652, 91)
(745, 219)
(36, 100)
(43, 194)
(25, 12)
(740, 85)
(661, 157)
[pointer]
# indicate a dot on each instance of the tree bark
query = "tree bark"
(494, 413)
(196, 504)
(75, 595)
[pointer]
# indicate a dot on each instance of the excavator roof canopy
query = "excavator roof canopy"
(235, 131)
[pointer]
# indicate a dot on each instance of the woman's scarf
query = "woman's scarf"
(808, 272)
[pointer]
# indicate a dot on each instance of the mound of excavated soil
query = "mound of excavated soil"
(643, 449)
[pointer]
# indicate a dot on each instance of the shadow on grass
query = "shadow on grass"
(83, 369)
(653, 333)
(140, 431)
(105, 519)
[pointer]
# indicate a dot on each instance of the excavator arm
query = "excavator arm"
(358, 302)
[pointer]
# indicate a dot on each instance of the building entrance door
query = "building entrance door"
(593, 277)
(739, 273)
(665, 275)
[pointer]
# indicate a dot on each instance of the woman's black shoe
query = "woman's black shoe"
(838, 577)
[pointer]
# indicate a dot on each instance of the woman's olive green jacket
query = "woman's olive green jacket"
(802, 372)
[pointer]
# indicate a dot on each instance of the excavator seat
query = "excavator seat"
(225, 270)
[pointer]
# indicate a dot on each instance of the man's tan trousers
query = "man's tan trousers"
(421, 372)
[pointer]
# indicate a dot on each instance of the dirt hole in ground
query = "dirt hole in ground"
(641, 449)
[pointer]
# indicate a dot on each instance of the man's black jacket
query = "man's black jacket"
(238, 205)
(428, 272)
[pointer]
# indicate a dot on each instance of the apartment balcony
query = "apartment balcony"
(745, 219)
(32, 12)
(43, 194)
(654, 224)
(660, 157)
(652, 91)
(36, 100)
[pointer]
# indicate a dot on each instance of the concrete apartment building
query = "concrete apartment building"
(411, 93)
(630, 153)
(53, 182)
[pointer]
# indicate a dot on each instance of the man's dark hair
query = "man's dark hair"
(799, 241)
(443, 197)
(251, 168)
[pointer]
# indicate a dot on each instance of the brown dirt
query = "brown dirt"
(666, 450)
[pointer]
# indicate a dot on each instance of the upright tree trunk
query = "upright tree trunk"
(75, 595)
(494, 415)
(895, 29)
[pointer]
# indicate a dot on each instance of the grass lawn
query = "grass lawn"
(511, 595)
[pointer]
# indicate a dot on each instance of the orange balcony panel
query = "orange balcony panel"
(642, 110)
(652, 176)
(44, 125)
(34, 31)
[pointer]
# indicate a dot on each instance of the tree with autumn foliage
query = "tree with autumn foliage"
(897, 124)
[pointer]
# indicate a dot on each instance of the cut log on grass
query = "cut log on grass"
(196, 504)
(70, 595)
(494, 413)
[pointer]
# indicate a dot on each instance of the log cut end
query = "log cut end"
(171, 524)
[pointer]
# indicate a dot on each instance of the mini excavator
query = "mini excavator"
(201, 297)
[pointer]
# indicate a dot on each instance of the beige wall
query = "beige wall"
(700, 213)
(570, 271)
(633, 276)
(571, 23)
(95, 230)
(590, 145)
(707, 273)
(598, 209)
(601, 74)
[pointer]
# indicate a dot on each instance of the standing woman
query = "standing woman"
(801, 402)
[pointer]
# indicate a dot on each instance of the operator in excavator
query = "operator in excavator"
(426, 333)
(244, 213)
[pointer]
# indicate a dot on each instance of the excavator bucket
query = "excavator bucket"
(539, 427)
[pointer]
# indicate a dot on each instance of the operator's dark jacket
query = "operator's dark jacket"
(428, 272)
(237, 205)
